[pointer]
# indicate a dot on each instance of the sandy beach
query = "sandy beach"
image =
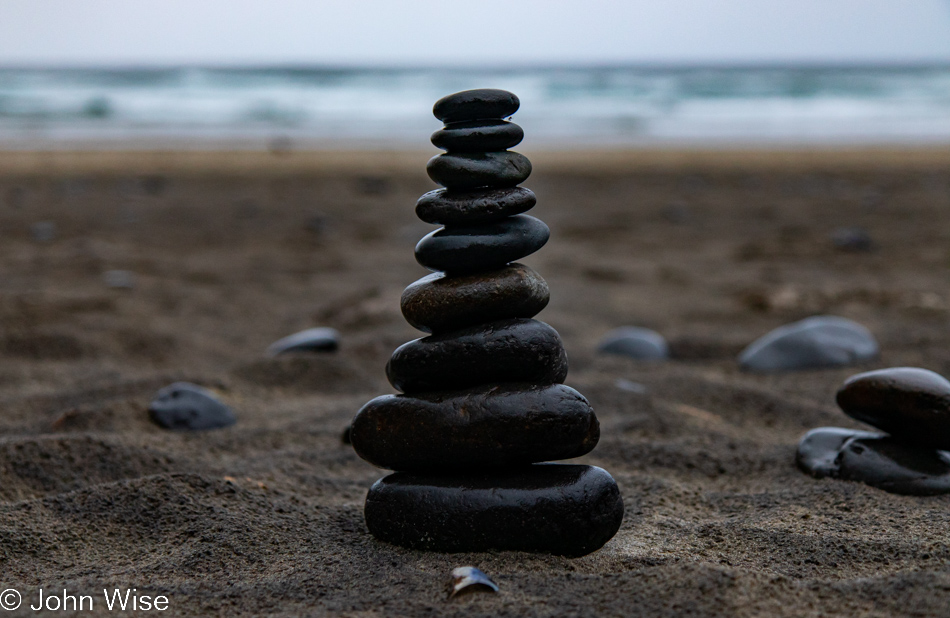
(225, 253)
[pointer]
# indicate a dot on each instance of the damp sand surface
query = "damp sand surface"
(224, 253)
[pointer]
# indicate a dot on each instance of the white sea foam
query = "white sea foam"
(622, 106)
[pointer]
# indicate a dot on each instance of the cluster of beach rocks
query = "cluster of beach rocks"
(912, 407)
(483, 400)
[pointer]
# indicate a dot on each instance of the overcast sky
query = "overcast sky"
(495, 32)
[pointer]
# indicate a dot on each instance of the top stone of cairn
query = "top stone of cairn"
(482, 103)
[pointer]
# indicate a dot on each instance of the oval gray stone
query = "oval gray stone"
(812, 343)
(515, 350)
(560, 509)
(310, 340)
(478, 136)
(475, 248)
(446, 207)
(476, 104)
(635, 342)
(911, 404)
(467, 171)
(438, 302)
(491, 426)
(874, 459)
(183, 406)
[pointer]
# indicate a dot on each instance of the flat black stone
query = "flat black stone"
(438, 303)
(467, 171)
(478, 136)
(476, 104)
(874, 459)
(491, 426)
(483, 247)
(567, 510)
(188, 407)
(472, 207)
(911, 404)
(515, 350)
(812, 343)
(310, 340)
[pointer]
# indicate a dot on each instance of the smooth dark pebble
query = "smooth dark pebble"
(874, 459)
(478, 136)
(911, 404)
(183, 406)
(310, 340)
(467, 171)
(345, 437)
(812, 343)
(561, 509)
(491, 426)
(854, 239)
(439, 302)
(635, 342)
(515, 350)
(476, 104)
(446, 207)
(488, 246)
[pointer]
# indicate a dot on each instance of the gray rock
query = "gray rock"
(119, 279)
(875, 459)
(812, 343)
(635, 342)
(310, 340)
(43, 231)
(183, 406)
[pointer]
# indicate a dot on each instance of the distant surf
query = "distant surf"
(305, 108)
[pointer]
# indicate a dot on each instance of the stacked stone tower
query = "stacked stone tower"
(483, 398)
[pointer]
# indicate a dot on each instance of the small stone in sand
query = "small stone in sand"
(812, 343)
(183, 406)
(635, 342)
(43, 231)
(874, 459)
(911, 404)
(311, 340)
(468, 579)
(855, 239)
(119, 279)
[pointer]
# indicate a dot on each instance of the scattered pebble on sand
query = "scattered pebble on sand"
(635, 342)
(812, 343)
(320, 339)
(183, 406)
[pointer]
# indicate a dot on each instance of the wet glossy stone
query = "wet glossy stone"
(188, 407)
(438, 303)
(635, 342)
(478, 136)
(446, 207)
(310, 340)
(911, 404)
(476, 104)
(492, 426)
(813, 343)
(515, 350)
(467, 171)
(561, 509)
(488, 246)
(877, 460)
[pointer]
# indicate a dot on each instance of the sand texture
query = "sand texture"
(228, 254)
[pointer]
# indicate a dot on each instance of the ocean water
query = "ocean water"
(301, 107)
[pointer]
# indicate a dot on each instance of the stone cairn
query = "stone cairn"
(483, 396)
(911, 452)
